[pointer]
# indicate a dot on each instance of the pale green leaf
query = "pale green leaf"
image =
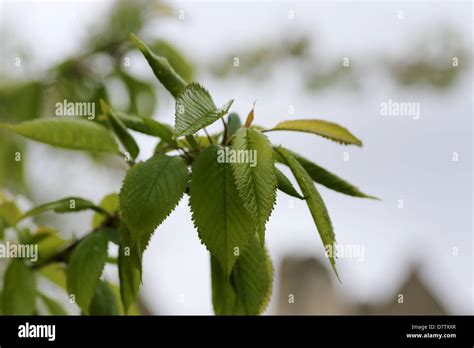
(142, 95)
(195, 110)
(254, 173)
(110, 203)
(161, 68)
(285, 185)
(65, 205)
(19, 289)
(323, 128)
(9, 213)
(222, 221)
(150, 192)
(314, 201)
(55, 273)
(67, 132)
(54, 308)
(85, 267)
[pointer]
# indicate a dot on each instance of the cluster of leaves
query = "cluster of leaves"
(230, 202)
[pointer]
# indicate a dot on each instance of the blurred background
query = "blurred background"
(337, 61)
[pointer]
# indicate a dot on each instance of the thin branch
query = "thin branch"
(224, 139)
(208, 136)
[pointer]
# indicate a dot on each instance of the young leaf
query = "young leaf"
(233, 123)
(65, 205)
(326, 178)
(9, 213)
(162, 131)
(223, 223)
(19, 289)
(67, 133)
(53, 307)
(248, 291)
(110, 203)
(85, 267)
(323, 128)
(129, 265)
(255, 179)
(104, 301)
(161, 68)
(150, 192)
(148, 126)
(314, 201)
(55, 273)
(121, 131)
(284, 184)
(195, 110)
(177, 60)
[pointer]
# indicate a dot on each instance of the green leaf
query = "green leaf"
(104, 301)
(323, 128)
(223, 293)
(162, 131)
(161, 68)
(49, 242)
(67, 133)
(253, 277)
(150, 192)
(121, 131)
(21, 102)
(326, 178)
(148, 126)
(9, 213)
(129, 265)
(65, 205)
(249, 289)
(222, 221)
(314, 201)
(110, 203)
(19, 290)
(85, 267)
(254, 175)
(54, 308)
(141, 94)
(233, 123)
(177, 60)
(195, 110)
(284, 184)
(55, 273)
